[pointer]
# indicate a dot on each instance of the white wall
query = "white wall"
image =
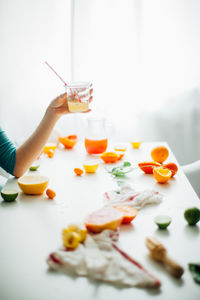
(31, 32)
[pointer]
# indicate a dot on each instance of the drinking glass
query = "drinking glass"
(78, 95)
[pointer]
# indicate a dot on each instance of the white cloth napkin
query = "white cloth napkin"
(100, 258)
(128, 196)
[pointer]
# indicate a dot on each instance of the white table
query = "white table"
(30, 229)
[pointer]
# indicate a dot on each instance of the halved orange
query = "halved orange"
(172, 167)
(161, 174)
(69, 141)
(110, 157)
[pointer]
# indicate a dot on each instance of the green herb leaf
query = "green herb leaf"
(195, 271)
(120, 183)
(127, 164)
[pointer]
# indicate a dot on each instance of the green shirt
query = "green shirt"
(7, 153)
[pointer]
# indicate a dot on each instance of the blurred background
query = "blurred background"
(141, 56)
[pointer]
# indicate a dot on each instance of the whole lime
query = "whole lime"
(192, 215)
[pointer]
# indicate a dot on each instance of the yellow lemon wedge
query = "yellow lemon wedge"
(49, 146)
(90, 167)
(33, 184)
(136, 144)
(161, 175)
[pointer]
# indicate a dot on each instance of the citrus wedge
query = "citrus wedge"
(136, 144)
(9, 195)
(162, 221)
(90, 167)
(161, 175)
(33, 184)
(49, 146)
(110, 157)
(129, 213)
(34, 167)
(105, 218)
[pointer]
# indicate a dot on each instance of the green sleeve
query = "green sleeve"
(7, 153)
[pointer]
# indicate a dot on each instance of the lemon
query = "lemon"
(192, 215)
(71, 240)
(9, 195)
(79, 229)
(33, 184)
(136, 144)
(90, 167)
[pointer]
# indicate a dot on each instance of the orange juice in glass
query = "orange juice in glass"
(78, 95)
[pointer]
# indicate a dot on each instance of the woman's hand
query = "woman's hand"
(60, 104)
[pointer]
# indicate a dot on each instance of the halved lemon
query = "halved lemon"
(33, 184)
(162, 175)
(136, 144)
(49, 146)
(90, 167)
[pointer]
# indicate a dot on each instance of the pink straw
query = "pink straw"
(56, 73)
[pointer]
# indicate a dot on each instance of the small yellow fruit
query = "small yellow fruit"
(71, 240)
(90, 167)
(136, 145)
(80, 229)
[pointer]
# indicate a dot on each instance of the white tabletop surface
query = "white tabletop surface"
(30, 228)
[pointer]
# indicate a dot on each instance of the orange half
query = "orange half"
(161, 174)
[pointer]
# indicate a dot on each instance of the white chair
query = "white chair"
(192, 171)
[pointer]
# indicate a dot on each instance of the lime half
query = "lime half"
(34, 167)
(9, 195)
(162, 221)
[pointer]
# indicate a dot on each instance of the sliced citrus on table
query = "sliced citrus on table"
(104, 218)
(162, 221)
(136, 144)
(110, 157)
(80, 229)
(160, 154)
(129, 213)
(148, 166)
(34, 167)
(49, 146)
(161, 175)
(172, 167)
(71, 240)
(33, 184)
(90, 167)
(9, 195)
(69, 141)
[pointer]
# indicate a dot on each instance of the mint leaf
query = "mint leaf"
(120, 183)
(195, 271)
(126, 164)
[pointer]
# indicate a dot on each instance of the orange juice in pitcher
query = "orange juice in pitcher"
(96, 141)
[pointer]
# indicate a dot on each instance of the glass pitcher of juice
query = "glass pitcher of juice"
(96, 140)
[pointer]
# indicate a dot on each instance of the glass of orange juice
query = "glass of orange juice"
(96, 140)
(78, 95)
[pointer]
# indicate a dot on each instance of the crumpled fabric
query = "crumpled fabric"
(99, 258)
(128, 196)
